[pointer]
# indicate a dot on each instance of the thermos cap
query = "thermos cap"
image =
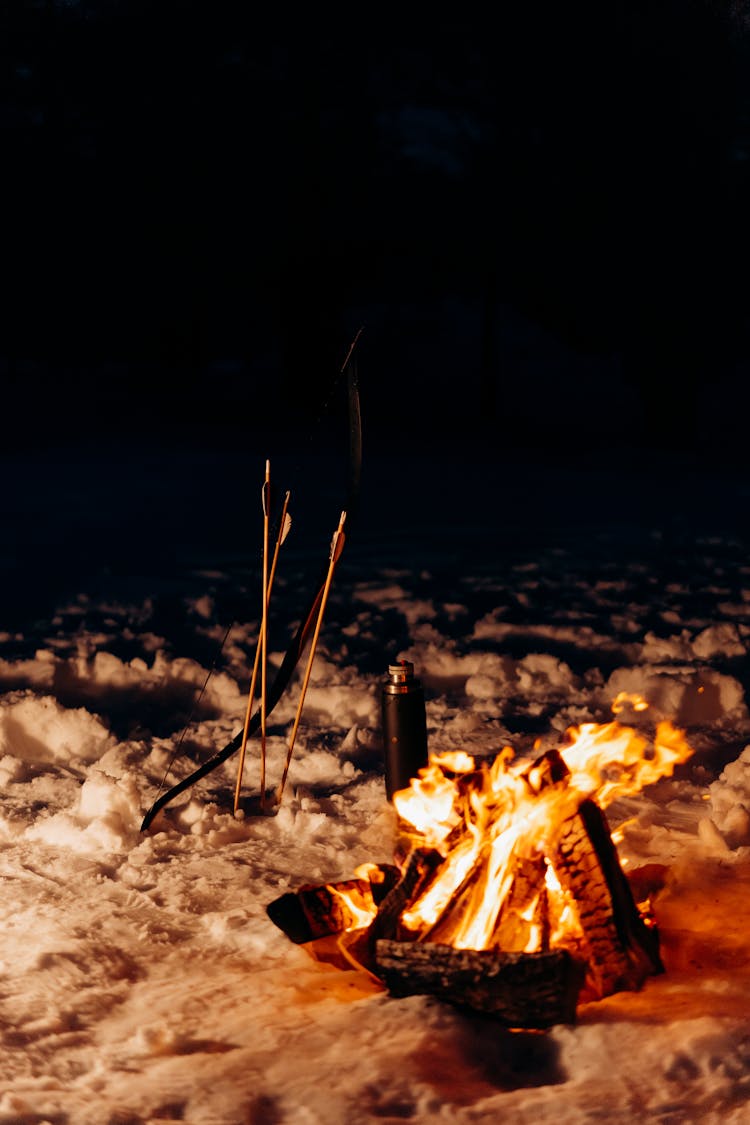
(401, 679)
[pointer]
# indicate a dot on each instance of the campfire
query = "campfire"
(507, 894)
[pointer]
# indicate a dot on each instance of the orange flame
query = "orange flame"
(610, 761)
(357, 901)
(487, 820)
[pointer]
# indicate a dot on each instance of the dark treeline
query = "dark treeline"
(206, 194)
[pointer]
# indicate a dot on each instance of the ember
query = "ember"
(512, 863)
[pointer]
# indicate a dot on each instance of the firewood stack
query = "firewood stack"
(529, 972)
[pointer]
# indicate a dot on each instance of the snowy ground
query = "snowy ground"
(142, 980)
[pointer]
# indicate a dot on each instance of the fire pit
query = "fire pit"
(507, 895)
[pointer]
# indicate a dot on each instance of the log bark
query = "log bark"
(620, 949)
(524, 990)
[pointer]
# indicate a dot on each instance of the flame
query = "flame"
(496, 824)
(369, 871)
(608, 760)
(636, 701)
(358, 903)
(429, 804)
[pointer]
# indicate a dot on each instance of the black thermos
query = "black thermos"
(404, 727)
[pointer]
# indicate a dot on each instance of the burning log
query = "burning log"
(530, 990)
(318, 910)
(520, 914)
(557, 883)
(525, 912)
(525, 990)
(621, 950)
(603, 925)
(489, 889)
(420, 865)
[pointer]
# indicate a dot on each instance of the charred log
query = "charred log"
(620, 949)
(524, 912)
(418, 870)
(317, 910)
(523, 905)
(458, 906)
(521, 909)
(549, 769)
(525, 990)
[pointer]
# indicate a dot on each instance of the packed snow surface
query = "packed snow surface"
(142, 979)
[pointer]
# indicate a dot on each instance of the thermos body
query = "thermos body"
(404, 727)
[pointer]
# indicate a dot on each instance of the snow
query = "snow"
(142, 979)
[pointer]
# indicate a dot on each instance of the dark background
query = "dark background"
(538, 213)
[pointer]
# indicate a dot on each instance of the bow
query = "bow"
(307, 625)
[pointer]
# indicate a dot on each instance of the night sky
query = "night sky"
(541, 224)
